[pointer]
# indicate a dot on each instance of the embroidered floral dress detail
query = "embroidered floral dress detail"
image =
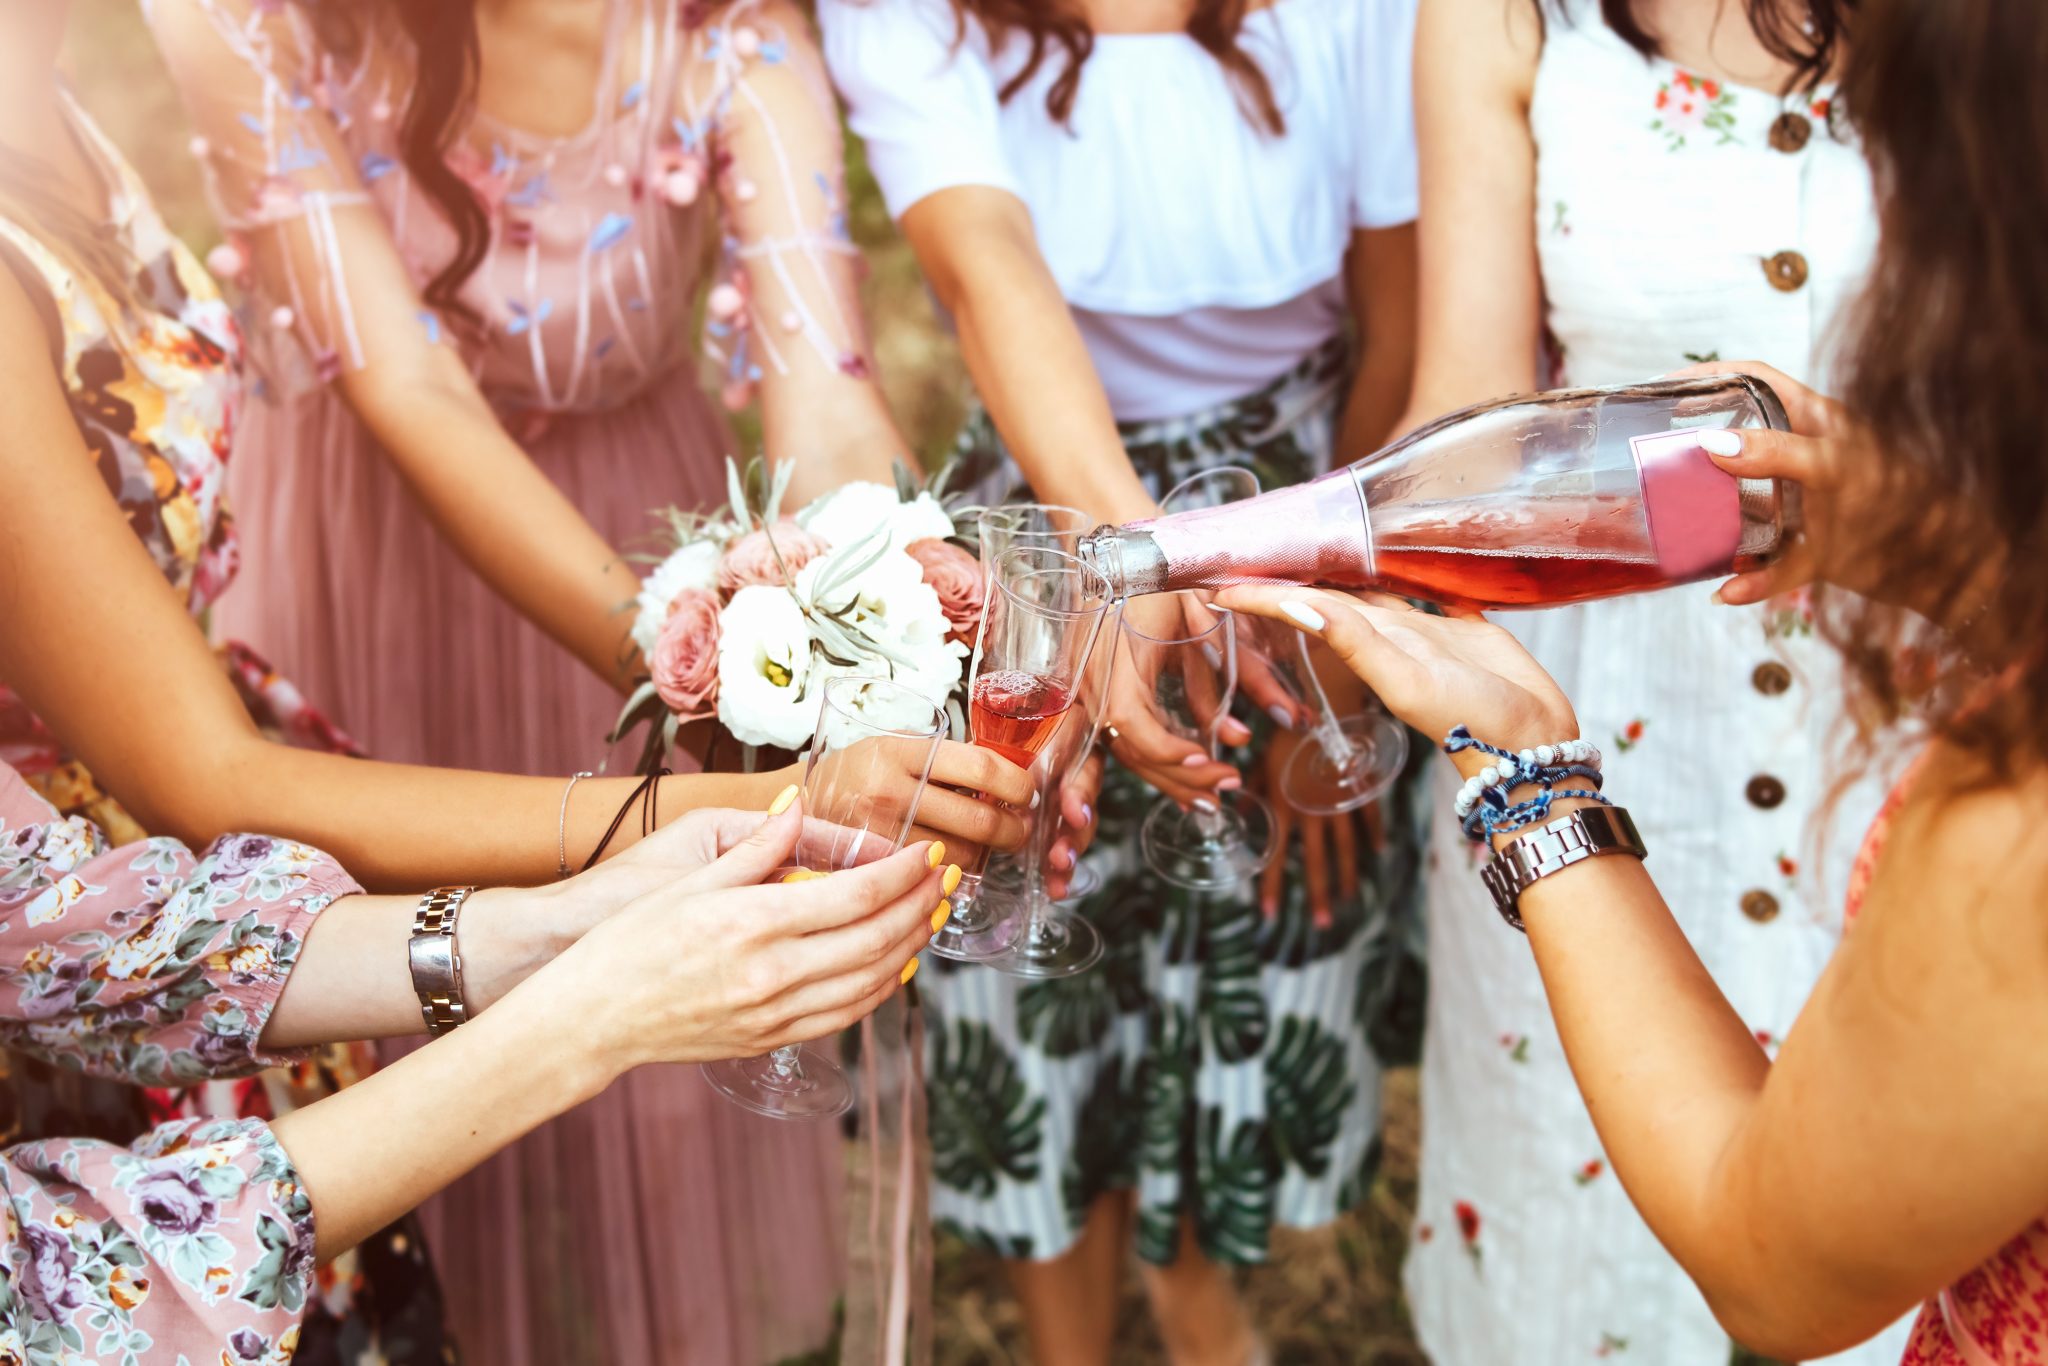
(147, 965)
(1689, 106)
(592, 236)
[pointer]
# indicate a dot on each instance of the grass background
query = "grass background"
(1328, 1297)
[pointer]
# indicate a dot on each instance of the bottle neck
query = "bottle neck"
(1128, 557)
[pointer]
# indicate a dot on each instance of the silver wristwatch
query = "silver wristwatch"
(1586, 833)
(436, 966)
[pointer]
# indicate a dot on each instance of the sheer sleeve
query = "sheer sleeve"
(195, 1243)
(270, 105)
(754, 97)
(1384, 191)
(920, 95)
(144, 963)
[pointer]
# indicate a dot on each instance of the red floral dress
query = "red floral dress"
(1998, 1314)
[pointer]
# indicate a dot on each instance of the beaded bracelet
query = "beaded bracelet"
(1484, 805)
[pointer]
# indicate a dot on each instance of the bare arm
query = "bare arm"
(1475, 61)
(100, 647)
(1900, 1137)
(1021, 346)
(1380, 277)
(679, 975)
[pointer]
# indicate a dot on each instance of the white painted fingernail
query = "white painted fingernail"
(1721, 441)
(1034, 799)
(1215, 655)
(1194, 761)
(1303, 615)
(1205, 806)
(1283, 716)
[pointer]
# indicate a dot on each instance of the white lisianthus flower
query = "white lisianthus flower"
(852, 511)
(692, 566)
(891, 605)
(765, 669)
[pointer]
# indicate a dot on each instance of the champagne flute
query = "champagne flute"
(1226, 838)
(983, 923)
(1356, 757)
(870, 733)
(1038, 635)
(1060, 528)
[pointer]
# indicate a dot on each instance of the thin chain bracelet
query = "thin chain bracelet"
(562, 826)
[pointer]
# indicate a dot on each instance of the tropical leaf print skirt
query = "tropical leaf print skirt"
(1222, 1063)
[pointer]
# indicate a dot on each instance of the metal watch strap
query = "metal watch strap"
(1586, 833)
(436, 966)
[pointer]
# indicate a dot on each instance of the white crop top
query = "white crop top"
(1201, 255)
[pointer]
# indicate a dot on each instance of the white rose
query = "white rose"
(693, 566)
(765, 668)
(852, 511)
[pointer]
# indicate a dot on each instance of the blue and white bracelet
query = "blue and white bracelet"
(1485, 805)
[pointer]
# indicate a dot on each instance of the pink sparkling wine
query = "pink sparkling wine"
(1014, 713)
(1530, 502)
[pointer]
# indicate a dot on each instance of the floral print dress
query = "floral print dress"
(1677, 219)
(148, 966)
(156, 386)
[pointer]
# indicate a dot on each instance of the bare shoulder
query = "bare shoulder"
(1495, 42)
(1962, 882)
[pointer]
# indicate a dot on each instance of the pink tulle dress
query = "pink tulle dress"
(658, 1223)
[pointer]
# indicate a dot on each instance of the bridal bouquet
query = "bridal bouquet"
(749, 612)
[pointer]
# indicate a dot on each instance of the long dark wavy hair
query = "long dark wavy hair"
(1053, 30)
(446, 58)
(1805, 34)
(1947, 371)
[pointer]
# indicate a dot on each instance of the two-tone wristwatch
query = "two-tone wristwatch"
(1586, 833)
(436, 966)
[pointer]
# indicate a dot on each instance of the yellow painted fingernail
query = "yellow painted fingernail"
(801, 875)
(935, 855)
(782, 800)
(941, 915)
(909, 971)
(951, 879)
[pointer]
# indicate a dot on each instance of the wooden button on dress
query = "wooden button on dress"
(1786, 271)
(1764, 791)
(1789, 132)
(1760, 906)
(1771, 678)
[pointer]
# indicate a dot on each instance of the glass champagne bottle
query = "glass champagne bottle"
(1532, 501)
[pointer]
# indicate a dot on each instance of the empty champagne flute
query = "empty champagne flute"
(1221, 840)
(1355, 758)
(871, 734)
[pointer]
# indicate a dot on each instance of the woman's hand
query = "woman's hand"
(1433, 672)
(1831, 458)
(976, 799)
(1329, 844)
(728, 966)
(1077, 813)
(1141, 742)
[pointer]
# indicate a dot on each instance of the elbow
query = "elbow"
(1793, 1316)
(214, 795)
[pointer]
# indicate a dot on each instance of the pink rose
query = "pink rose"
(956, 577)
(749, 561)
(685, 657)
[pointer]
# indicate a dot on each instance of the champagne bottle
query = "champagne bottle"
(1532, 501)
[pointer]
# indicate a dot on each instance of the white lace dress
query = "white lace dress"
(1678, 219)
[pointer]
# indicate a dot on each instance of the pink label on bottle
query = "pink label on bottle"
(1693, 506)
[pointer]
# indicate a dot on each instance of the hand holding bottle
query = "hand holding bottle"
(1433, 672)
